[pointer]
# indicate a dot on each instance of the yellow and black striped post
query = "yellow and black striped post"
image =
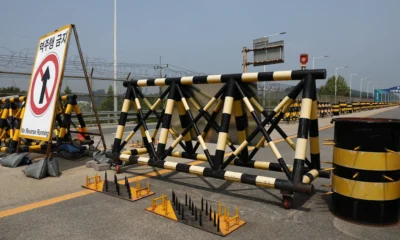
(166, 122)
(314, 134)
(64, 133)
(335, 109)
(302, 134)
(225, 119)
(366, 175)
(145, 132)
(122, 120)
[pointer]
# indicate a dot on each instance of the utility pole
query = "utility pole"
(160, 67)
(244, 51)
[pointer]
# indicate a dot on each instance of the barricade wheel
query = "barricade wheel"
(117, 168)
(287, 202)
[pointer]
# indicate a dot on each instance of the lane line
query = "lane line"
(44, 203)
(66, 197)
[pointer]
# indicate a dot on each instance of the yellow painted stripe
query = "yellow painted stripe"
(44, 203)
(374, 161)
(374, 191)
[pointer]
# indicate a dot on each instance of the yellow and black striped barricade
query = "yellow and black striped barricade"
(366, 175)
(335, 109)
(350, 107)
(234, 100)
(343, 107)
(356, 106)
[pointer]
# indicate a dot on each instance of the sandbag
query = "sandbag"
(53, 168)
(15, 160)
(100, 157)
(69, 151)
(37, 170)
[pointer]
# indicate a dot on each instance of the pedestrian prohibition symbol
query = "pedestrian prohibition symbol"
(44, 84)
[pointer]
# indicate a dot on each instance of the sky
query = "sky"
(208, 35)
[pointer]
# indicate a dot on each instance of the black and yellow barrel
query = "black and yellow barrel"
(366, 175)
(336, 109)
(349, 107)
(343, 107)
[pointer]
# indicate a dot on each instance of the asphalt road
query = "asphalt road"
(99, 216)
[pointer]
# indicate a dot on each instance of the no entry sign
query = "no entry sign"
(44, 84)
(40, 107)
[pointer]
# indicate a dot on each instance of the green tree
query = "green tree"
(329, 87)
(108, 103)
(7, 91)
(67, 90)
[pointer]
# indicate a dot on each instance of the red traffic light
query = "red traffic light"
(303, 59)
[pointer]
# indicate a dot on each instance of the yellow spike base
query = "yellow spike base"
(198, 216)
(164, 208)
(121, 191)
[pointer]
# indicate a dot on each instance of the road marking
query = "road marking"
(44, 203)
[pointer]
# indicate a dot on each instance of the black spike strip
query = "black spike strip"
(215, 218)
(192, 209)
(173, 197)
(185, 199)
(116, 183)
(202, 207)
(218, 224)
(106, 181)
(207, 208)
(128, 188)
(210, 214)
(200, 219)
(190, 203)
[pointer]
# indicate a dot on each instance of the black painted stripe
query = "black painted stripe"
(365, 175)
(166, 121)
(225, 119)
(248, 179)
(310, 176)
(200, 79)
(241, 123)
(303, 128)
(183, 167)
(150, 82)
(314, 128)
(219, 156)
(366, 211)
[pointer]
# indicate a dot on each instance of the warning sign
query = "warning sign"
(40, 107)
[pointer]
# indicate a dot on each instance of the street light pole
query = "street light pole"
(373, 92)
(336, 77)
(362, 79)
(317, 58)
(368, 89)
(351, 76)
(115, 57)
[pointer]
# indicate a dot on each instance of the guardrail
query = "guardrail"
(109, 117)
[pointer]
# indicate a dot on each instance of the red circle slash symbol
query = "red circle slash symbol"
(45, 78)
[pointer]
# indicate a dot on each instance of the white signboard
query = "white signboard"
(47, 72)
